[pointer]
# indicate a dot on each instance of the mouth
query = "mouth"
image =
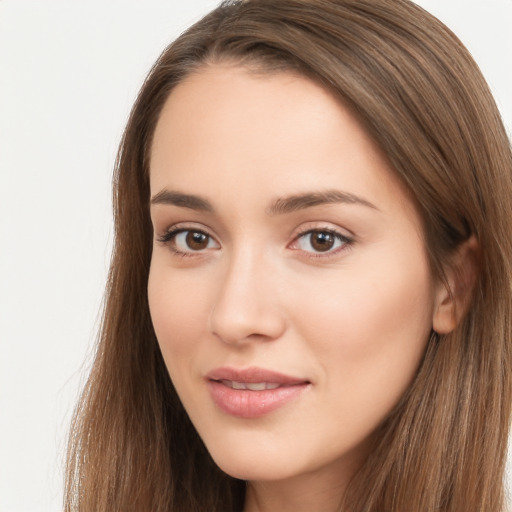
(253, 376)
(251, 386)
(253, 392)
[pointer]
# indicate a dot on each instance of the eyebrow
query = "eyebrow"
(302, 201)
(279, 206)
(168, 197)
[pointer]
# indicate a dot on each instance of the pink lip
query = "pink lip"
(245, 403)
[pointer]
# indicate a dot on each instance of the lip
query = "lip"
(244, 403)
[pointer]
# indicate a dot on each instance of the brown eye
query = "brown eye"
(196, 240)
(321, 241)
(188, 241)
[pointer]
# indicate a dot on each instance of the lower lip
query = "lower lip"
(248, 404)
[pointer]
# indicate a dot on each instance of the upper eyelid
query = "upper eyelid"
(302, 230)
(177, 230)
(187, 226)
(312, 226)
(322, 230)
(345, 238)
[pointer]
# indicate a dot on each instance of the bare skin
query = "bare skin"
(284, 242)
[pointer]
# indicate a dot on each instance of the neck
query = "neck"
(303, 493)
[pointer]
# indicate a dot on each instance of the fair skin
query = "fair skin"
(332, 290)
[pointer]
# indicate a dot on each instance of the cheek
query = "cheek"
(369, 331)
(178, 309)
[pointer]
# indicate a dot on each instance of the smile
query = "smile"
(254, 392)
(252, 386)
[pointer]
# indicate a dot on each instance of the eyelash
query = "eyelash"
(169, 238)
(345, 241)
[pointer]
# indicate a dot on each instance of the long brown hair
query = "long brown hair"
(424, 101)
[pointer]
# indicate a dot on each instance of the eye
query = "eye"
(188, 241)
(320, 241)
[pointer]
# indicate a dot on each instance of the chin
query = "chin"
(260, 463)
(254, 465)
(254, 470)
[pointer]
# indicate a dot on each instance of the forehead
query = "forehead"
(226, 127)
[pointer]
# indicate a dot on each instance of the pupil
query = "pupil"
(322, 241)
(197, 241)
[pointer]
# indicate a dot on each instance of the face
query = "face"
(289, 286)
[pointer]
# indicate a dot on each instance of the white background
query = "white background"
(69, 72)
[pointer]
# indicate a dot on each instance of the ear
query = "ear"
(453, 296)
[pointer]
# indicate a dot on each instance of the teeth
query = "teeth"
(252, 386)
(256, 386)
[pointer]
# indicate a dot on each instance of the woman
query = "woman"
(313, 219)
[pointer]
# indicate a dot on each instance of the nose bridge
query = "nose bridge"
(246, 305)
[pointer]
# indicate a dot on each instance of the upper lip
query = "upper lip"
(253, 375)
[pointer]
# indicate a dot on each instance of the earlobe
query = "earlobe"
(453, 296)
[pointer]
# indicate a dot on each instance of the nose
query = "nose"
(246, 306)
